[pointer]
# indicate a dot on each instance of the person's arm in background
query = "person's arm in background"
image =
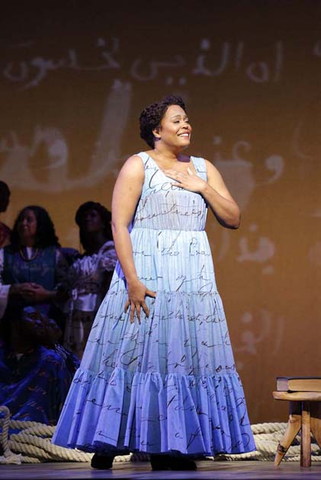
(108, 263)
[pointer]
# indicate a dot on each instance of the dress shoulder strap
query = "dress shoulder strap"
(144, 156)
(200, 167)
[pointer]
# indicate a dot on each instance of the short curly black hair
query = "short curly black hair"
(105, 216)
(151, 117)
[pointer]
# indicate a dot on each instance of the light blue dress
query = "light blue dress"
(169, 384)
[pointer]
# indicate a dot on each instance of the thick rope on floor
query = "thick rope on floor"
(31, 443)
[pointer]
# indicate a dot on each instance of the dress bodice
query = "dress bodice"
(163, 206)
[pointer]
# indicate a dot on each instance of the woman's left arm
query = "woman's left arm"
(219, 199)
(214, 191)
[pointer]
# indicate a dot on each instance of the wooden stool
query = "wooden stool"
(305, 414)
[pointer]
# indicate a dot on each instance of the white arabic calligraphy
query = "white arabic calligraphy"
(228, 56)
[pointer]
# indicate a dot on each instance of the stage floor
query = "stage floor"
(207, 469)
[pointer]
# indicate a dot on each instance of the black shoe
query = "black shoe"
(103, 462)
(181, 463)
(159, 462)
(171, 462)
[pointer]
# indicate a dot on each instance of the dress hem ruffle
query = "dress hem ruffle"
(155, 413)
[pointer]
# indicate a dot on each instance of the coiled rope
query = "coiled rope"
(32, 444)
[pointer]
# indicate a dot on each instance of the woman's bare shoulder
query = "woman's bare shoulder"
(133, 167)
(211, 168)
(134, 161)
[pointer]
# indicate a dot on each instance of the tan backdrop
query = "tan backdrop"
(74, 80)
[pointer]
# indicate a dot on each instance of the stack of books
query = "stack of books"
(298, 384)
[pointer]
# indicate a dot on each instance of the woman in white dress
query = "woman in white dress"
(158, 374)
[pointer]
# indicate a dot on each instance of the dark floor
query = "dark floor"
(207, 469)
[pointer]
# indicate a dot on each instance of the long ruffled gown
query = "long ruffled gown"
(169, 384)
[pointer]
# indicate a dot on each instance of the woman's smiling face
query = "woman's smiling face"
(175, 129)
